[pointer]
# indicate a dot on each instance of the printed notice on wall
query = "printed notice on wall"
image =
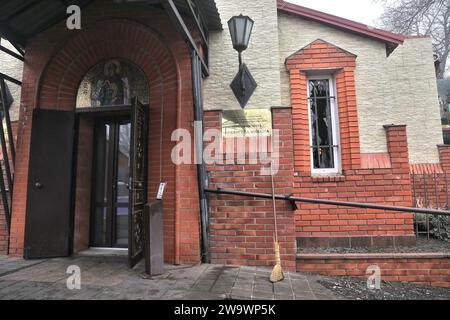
(160, 194)
(246, 123)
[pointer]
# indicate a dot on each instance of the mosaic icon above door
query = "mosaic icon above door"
(112, 83)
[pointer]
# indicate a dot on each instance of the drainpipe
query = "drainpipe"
(202, 175)
(177, 179)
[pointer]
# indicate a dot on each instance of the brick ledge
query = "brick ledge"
(357, 256)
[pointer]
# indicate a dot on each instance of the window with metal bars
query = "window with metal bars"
(324, 136)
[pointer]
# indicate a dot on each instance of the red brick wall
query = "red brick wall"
(444, 154)
(242, 228)
(422, 269)
(57, 60)
(390, 186)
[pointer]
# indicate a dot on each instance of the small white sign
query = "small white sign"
(160, 195)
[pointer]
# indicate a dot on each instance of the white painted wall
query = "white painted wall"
(261, 57)
(399, 89)
(412, 98)
(13, 68)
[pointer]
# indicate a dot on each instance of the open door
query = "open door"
(138, 182)
(49, 197)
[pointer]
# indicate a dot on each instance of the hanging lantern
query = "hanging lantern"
(243, 85)
(241, 29)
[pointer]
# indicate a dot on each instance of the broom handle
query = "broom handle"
(273, 204)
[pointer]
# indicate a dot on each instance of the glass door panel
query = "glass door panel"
(111, 171)
(101, 169)
(122, 185)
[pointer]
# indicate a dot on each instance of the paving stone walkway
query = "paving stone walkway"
(8, 264)
(109, 278)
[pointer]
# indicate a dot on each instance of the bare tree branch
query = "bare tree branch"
(421, 17)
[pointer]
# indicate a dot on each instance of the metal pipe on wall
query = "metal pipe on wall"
(199, 145)
(330, 202)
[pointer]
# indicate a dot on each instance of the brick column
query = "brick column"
(397, 143)
(444, 155)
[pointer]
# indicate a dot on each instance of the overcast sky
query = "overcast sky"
(364, 11)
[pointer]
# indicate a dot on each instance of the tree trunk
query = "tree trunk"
(443, 65)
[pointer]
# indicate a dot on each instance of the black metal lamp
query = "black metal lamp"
(241, 29)
(244, 84)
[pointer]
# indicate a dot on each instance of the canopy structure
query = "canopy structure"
(21, 20)
(24, 19)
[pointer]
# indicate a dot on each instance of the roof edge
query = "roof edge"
(341, 23)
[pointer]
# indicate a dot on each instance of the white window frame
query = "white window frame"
(335, 126)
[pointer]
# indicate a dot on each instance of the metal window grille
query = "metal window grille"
(323, 147)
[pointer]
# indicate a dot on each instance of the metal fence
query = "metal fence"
(430, 191)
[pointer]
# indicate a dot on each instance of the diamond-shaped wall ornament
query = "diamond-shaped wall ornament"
(243, 85)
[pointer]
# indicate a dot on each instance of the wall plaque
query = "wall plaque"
(246, 123)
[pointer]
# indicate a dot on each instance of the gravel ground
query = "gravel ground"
(423, 245)
(356, 289)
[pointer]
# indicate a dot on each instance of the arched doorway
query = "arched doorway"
(111, 126)
(110, 110)
(167, 68)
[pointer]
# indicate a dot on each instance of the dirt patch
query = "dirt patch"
(356, 289)
(422, 245)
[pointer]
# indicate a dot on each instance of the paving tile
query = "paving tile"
(174, 295)
(245, 293)
(109, 278)
(305, 297)
(259, 295)
(207, 296)
(222, 289)
(284, 297)
(239, 297)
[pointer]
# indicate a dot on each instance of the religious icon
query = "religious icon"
(112, 83)
(113, 88)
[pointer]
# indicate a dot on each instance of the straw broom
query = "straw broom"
(277, 272)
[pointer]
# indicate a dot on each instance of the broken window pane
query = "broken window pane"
(323, 147)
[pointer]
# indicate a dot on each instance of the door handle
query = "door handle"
(38, 185)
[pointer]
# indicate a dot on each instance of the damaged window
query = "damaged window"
(323, 127)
